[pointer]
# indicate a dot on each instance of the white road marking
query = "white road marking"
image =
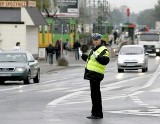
(13, 88)
(142, 112)
(51, 90)
(105, 87)
(149, 83)
(137, 101)
(155, 90)
(55, 102)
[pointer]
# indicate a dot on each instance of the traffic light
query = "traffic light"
(128, 12)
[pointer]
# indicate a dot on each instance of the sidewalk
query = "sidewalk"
(46, 67)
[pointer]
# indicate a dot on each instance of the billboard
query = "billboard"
(15, 4)
(67, 8)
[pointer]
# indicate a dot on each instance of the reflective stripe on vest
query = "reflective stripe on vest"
(92, 63)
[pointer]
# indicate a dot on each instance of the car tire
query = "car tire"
(2, 82)
(37, 78)
(158, 54)
(28, 79)
(120, 70)
(143, 69)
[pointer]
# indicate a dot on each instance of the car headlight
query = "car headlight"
(120, 61)
(19, 69)
(141, 61)
(157, 50)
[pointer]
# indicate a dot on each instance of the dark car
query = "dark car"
(18, 66)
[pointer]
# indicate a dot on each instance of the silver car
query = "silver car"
(18, 66)
(132, 57)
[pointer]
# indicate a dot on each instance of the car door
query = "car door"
(33, 65)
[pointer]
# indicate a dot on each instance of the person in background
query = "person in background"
(66, 48)
(58, 49)
(115, 34)
(76, 47)
(96, 62)
(17, 47)
(50, 51)
(111, 38)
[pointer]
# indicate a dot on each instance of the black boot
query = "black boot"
(94, 117)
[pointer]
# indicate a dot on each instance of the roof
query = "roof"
(13, 16)
(129, 25)
(150, 32)
(36, 16)
(10, 15)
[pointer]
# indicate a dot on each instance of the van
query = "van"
(150, 41)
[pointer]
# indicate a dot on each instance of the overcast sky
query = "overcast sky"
(134, 5)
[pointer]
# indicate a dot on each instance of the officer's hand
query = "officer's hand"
(80, 52)
(94, 54)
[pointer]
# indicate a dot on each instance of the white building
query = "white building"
(20, 25)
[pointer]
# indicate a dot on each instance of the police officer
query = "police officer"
(96, 62)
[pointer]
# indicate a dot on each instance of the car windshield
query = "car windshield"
(13, 57)
(149, 37)
(131, 50)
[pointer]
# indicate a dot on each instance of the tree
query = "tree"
(42, 3)
(157, 11)
(146, 17)
(117, 17)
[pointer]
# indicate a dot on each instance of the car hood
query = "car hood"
(130, 58)
(12, 64)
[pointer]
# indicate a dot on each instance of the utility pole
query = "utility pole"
(62, 40)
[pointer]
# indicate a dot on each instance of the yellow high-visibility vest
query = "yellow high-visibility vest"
(92, 63)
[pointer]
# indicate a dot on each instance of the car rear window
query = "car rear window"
(131, 50)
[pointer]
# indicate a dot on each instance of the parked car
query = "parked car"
(18, 66)
(132, 57)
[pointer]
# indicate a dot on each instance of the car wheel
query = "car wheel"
(28, 79)
(158, 54)
(143, 69)
(120, 70)
(2, 82)
(37, 78)
(146, 68)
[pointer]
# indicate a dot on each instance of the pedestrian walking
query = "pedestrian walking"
(111, 38)
(50, 51)
(96, 62)
(66, 48)
(115, 34)
(58, 49)
(76, 47)
(17, 47)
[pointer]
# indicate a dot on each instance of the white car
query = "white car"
(132, 57)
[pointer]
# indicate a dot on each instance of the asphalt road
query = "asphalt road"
(63, 97)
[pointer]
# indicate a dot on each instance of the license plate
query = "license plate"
(130, 64)
(5, 75)
(149, 50)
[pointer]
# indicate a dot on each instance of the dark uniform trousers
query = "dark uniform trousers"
(96, 98)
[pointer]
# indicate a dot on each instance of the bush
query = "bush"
(62, 62)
